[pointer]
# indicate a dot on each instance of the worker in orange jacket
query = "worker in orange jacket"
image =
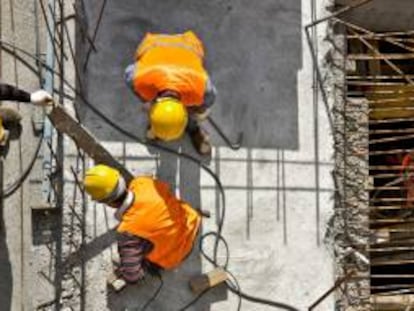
(156, 229)
(169, 77)
(10, 117)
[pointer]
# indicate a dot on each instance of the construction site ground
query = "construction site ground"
(279, 191)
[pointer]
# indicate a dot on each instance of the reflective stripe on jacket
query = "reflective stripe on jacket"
(158, 216)
(171, 62)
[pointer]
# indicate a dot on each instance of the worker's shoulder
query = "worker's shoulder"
(142, 179)
(147, 181)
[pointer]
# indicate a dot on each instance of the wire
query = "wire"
(156, 293)
(233, 287)
(218, 235)
(10, 190)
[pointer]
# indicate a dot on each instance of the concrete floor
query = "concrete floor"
(272, 199)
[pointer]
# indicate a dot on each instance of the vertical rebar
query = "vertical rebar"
(48, 86)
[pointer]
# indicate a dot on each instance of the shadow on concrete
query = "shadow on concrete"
(6, 277)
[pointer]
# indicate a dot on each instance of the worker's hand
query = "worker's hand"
(41, 98)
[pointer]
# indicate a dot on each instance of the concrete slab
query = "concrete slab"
(253, 54)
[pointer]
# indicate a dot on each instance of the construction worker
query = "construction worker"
(169, 77)
(10, 117)
(156, 229)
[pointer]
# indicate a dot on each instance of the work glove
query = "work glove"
(41, 98)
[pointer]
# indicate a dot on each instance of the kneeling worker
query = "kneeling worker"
(156, 229)
(169, 77)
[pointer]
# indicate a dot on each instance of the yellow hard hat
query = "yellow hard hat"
(168, 118)
(102, 182)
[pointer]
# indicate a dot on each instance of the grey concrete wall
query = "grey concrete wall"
(17, 20)
(253, 54)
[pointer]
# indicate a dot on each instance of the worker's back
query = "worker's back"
(171, 62)
(157, 215)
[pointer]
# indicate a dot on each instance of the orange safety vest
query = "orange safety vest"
(171, 62)
(158, 216)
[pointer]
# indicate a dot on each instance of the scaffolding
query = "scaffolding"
(368, 96)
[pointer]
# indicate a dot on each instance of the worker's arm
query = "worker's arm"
(129, 80)
(200, 113)
(209, 95)
(9, 92)
(132, 251)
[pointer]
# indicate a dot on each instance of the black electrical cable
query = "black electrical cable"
(156, 293)
(11, 189)
(179, 154)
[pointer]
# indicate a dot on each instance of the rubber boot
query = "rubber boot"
(201, 141)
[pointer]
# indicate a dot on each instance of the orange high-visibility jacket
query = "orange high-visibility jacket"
(171, 62)
(157, 215)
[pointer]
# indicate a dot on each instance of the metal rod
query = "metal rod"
(84, 33)
(85, 65)
(232, 145)
(338, 283)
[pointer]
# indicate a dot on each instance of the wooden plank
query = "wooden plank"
(382, 34)
(389, 207)
(391, 151)
(392, 303)
(385, 167)
(394, 120)
(393, 131)
(391, 139)
(392, 56)
(66, 124)
(373, 83)
(377, 77)
(200, 283)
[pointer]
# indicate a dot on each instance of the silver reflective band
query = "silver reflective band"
(125, 206)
